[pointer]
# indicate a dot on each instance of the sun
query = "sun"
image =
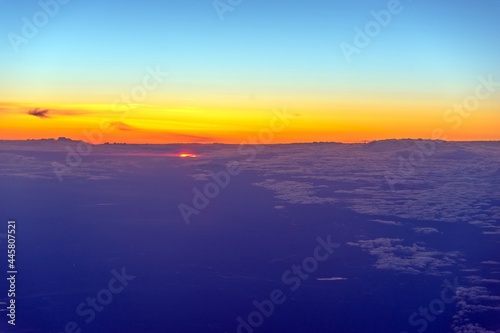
(187, 155)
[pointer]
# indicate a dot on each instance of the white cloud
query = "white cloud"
(426, 230)
(334, 278)
(388, 222)
(414, 259)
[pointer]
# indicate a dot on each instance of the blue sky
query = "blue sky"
(278, 39)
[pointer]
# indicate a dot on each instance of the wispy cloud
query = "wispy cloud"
(42, 111)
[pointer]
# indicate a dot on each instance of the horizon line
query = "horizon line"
(60, 139)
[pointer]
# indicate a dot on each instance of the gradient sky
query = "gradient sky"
(227, 76)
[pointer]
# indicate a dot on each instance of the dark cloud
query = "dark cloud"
(39, 113)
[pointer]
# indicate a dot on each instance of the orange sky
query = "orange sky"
(234, 121)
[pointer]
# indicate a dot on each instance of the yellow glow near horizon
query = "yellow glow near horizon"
(342, 119)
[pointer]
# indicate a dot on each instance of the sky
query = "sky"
(218, 71)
